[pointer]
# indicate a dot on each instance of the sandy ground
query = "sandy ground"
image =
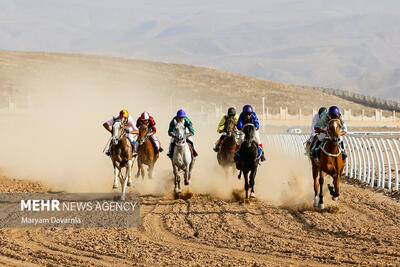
(362, 228)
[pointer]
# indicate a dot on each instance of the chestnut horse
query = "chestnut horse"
(330, 162)
(121, 156)
(146, 153)
(226, 153)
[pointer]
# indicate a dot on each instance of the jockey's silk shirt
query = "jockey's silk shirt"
(253, 119)
(130, 125)
(187, 123)
(221, 124)
(324, 122)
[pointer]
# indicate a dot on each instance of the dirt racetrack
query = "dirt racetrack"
(363, 228)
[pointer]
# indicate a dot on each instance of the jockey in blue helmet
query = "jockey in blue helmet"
(321, 128)
(249, 116)
(181, 117)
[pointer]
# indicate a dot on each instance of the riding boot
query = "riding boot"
(160, 149)
(344, 155)
(171, 150)
(313, 153)
(262, 156)
(218, 145)
(134, 153)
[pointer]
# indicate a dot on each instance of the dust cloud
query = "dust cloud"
(59, 139)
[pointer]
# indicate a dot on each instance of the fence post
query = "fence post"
(382, 176)
(378, 158)
(367, 176)
(398, 154)
(388, 162)
(396, 169)
(372, 161)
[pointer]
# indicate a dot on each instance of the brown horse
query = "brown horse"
(146, 153)
(121, 156)
(330, 162)
(226, 153)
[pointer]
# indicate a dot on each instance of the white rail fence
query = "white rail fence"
(371, 159)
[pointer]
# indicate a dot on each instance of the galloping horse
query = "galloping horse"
(146, 153)
(183, 159)
(121, 156)
(331, 162)
(226, 153)
(248, 159)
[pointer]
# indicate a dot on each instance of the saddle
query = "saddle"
(154, 145)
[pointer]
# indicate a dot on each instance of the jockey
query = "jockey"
(321, 129)
(130, 127)
(181, 117)
(148, 120)
(249, 116)
(221, 125)
(314, 122)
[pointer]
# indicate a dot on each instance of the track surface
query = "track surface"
(363, 229)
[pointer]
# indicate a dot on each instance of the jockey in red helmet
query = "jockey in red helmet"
(130, 127)
(145, 118)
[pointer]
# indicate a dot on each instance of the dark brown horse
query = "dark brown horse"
(330, 162)
(226, 153)
(146, 153)
(121, 156)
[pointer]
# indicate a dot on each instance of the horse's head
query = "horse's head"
(118, 131)
(229, 126)
(143, 131)
(248, 130)
(179, 132)
(334, 128)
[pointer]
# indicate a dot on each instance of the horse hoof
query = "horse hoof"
(316, 202)
(322, 206)
(335, 198)
(186, 182)
(252, 195)
(129, 183)
(115, 186)
(177, 190)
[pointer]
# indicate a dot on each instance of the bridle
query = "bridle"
(141, 141)
(334, 140)
(121, 133)
(181, 139)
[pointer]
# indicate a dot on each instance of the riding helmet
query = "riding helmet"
(248, 109)
(123, 114)
(181, 113)
(321, 110)
(144, 116)
(231, 111)
(334, 111)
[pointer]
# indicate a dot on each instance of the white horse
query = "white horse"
(121, 156)
(182, 158)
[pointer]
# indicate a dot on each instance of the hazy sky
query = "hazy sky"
(350, 44)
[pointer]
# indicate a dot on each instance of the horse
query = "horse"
(331, 162)
(121, 156)
(146, 153)
(228, 146)
(182, 159)
(248, 159)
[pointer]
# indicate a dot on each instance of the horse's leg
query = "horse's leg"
(252, 182)
(321, 187)
(124, 181)
(246, 183)
(336, 183)
(142, 170)
(151, 168)
(315, 173)
(177, 179)
(129, 172)
(139, 164)
(116, 172)
(191, 167)
(240, 174)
